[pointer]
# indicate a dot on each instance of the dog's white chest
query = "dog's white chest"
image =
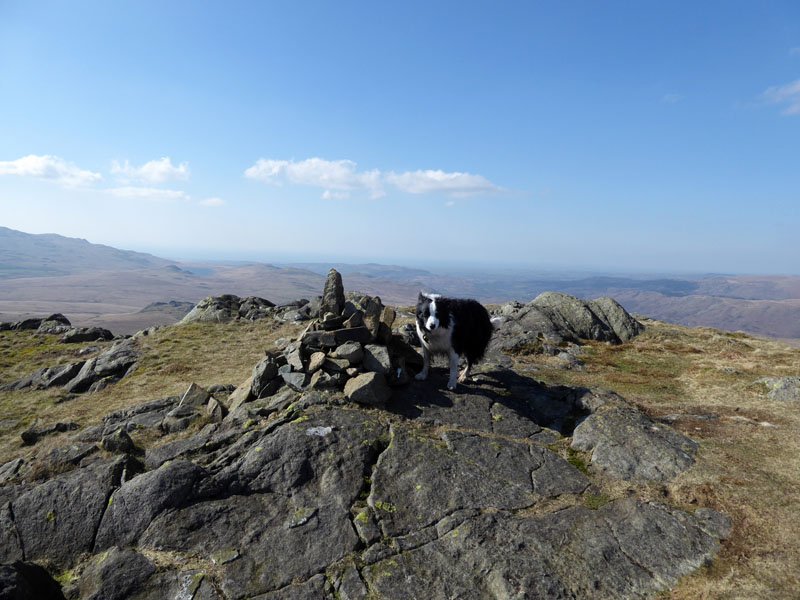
(437, 340)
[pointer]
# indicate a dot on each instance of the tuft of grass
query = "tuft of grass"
(595, 501)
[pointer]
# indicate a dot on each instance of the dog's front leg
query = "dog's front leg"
(451, 384)
(426, 363)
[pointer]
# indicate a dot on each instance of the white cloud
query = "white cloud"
(327, 195)
(49, 167)
(788, 94)
(343, 177)
(148, 193)
(212, 202)
(456, 185)
(795, 50)
(154, 171)
(329, 174)
(671, 98)
(450, 203)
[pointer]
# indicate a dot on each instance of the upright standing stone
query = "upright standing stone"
(333, 294)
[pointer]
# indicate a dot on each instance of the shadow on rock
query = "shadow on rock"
(498, 401)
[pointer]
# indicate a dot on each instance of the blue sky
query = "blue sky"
(644, 136)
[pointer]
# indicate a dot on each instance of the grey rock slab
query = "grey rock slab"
(10, 548)
(27, 581)
(430, 403)
(117, 361)
(531, 467)
(294, 460)
(119, 442)
(58, 519)
(158, 455)
(60, 458)
(78, 335)
(11, 470)
(141, 416)
(138, 501)
(114, 575)
(220, 309)
(553, 318)
(622, 323)
(626, 549)
(192, 584)
(315, 588)
(628, 445)
(417, 481)
(782, 389)
(273, 546)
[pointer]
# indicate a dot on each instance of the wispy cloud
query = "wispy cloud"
(794, 51)
(671, 98)
(49, 167)
(457, 185)
(788, 95)
(213, 202)
(327, 195)
(340, 177)
(154, 171)
(148, 193)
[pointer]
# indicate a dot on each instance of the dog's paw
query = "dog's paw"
(451, 386)
(421, 376)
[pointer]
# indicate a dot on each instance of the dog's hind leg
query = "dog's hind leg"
(451, 384)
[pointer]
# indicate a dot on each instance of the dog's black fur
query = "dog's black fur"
(453, 326)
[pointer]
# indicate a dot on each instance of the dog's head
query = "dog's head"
(426, 311)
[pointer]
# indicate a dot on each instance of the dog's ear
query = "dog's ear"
(420, 298)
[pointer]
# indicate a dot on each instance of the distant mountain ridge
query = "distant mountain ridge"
(50, 255)
(103, 286)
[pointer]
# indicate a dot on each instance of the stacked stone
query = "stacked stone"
(349, 347)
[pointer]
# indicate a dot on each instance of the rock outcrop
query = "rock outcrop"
(91, 375)
(221, 309)
(782, 389)
(553, 319)
(334, 474)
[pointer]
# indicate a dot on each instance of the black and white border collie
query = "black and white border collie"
(454, 327)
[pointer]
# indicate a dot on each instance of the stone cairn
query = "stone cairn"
(349, 347)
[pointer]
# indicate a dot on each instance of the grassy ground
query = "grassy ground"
(749, 461)
(172, 358)
(748, 466)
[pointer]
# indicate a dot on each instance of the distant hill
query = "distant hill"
(98, 285)
(49, 254)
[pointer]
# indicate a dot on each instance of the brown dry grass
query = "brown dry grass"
(749, 461)
(172, 358)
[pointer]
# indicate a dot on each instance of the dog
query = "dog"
(455, 327)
